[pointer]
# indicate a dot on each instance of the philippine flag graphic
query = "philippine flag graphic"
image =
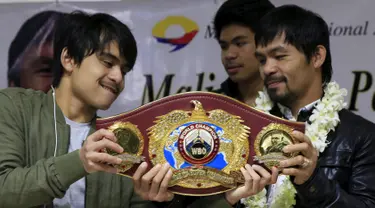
(189, 26)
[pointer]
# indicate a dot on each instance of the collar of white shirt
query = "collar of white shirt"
(288, 113)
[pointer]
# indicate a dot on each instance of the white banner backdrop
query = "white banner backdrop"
(195, 64)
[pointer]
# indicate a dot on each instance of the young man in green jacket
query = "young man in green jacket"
(49, 149)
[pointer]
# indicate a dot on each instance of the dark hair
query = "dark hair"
(27, 35)
(246, 13)
(84, 34)
(302, 28)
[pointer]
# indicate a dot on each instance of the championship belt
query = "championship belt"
(205, 137)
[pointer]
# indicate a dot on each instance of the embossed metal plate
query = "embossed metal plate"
(205, 149)
(270, 142)
(131, 140)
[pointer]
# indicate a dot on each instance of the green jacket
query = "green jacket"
(30, 175)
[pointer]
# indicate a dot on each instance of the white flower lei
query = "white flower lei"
(324, 119)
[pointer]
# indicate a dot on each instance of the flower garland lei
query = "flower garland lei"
(324, 119)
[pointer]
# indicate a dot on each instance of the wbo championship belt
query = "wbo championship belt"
(205, 137)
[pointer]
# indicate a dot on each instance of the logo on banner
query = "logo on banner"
(189, 26)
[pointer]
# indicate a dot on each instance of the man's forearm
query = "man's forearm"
(40, 183)
(319, 191)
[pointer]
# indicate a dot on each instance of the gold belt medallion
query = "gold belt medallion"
(205, 149)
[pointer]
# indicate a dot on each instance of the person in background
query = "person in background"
(235, 25)
(31, 52)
